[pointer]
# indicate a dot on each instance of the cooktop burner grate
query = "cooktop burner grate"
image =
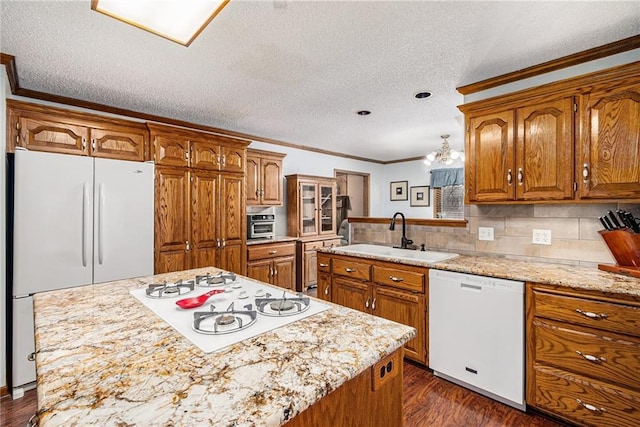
(170, 290)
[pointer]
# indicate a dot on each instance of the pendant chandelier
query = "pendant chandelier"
(445, 155)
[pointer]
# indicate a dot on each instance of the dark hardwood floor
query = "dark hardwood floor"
(428, 401)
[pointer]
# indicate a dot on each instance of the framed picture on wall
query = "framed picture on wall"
(420, 196)
(399, 190)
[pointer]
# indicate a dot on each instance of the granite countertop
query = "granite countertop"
(103, 358)
(584, 278)
(277, 239)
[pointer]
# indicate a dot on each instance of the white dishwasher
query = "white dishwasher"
(476, 334)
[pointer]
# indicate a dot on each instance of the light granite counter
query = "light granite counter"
(577, 277)
(103, 358)
(277, 239)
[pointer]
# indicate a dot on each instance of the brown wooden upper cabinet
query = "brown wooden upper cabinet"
(180, 147)
(609, 154)
(522, 153)
(264, 178)
(578, 139)
(311, 205)
(42, 128)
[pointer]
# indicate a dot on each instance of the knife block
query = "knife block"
(625, 247)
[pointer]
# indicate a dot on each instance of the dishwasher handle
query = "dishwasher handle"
(467, 286)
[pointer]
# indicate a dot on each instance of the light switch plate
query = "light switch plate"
(541, 237)
(485, 233)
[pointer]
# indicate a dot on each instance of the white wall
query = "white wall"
(4, 83)
(417, 174)
(311, 163)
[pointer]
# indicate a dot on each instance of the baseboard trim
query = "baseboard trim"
(4, 391)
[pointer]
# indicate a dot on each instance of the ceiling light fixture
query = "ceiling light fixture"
(445, 155)
(179, 21)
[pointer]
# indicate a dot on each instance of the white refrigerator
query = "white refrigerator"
(76, 221)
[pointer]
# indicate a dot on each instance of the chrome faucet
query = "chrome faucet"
(404, 242)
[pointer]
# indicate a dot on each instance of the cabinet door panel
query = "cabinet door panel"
(408, 309)
(544, 151)
(233, 159)
(611, 144)
(271, 177)
(172, 209)
(125, 144)
(253, 181)
(204, 155)
(171, 260)
(285, 273)
(351, 294)
(490, 162)
(49, 135)
(204, 208)
(260, 270)
(232, 209)
(231, 258)
(324, 287)
(310, 268)
(171, 150)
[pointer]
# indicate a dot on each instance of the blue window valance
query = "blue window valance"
(447, 177)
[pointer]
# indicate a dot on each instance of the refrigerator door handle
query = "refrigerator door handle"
(101, 211)
(85, 221)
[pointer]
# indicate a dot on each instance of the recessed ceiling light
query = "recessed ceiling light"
(364, 113)
(178, 21)
(422, 95)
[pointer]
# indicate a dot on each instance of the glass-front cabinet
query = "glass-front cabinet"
(311, 206)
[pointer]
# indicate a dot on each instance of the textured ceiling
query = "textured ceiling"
(298, 71)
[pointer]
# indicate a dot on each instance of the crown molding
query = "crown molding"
(599, 52)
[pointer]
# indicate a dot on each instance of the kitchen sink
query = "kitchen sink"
(397, 253)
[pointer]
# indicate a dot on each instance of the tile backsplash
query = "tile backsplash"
(574, 232)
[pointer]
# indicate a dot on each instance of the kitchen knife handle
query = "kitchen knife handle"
(614, 220)
(608, 221)
(604, 224)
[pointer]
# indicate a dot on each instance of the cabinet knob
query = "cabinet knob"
(591, 315)
(326, 290)
(509, 177)
(590, 407)
(591, 358)
(366, 303)
(349, 270)
(187, 246)
(585, 173)
(324, 265)
(396, 279)
(373, 304)
(520, 176)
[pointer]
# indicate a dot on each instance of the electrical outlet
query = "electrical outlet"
(485, 233)
(541, 237)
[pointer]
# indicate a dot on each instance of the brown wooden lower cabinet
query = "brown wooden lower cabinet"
(307, 258)
(393, 291)
(583, 355)
(370, 399)
(273, 263)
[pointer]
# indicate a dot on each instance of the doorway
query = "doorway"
(353, 194)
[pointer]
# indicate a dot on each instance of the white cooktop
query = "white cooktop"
(182, 320)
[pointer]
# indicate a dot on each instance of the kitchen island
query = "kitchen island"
(102, 357)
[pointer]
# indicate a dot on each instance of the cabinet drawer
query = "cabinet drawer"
(331, 243)
(398, 278)
(590, 352)
(585, 401)
(595, 314)
(324, 263)
(311, 246)
(348, 268)
(267, 251)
